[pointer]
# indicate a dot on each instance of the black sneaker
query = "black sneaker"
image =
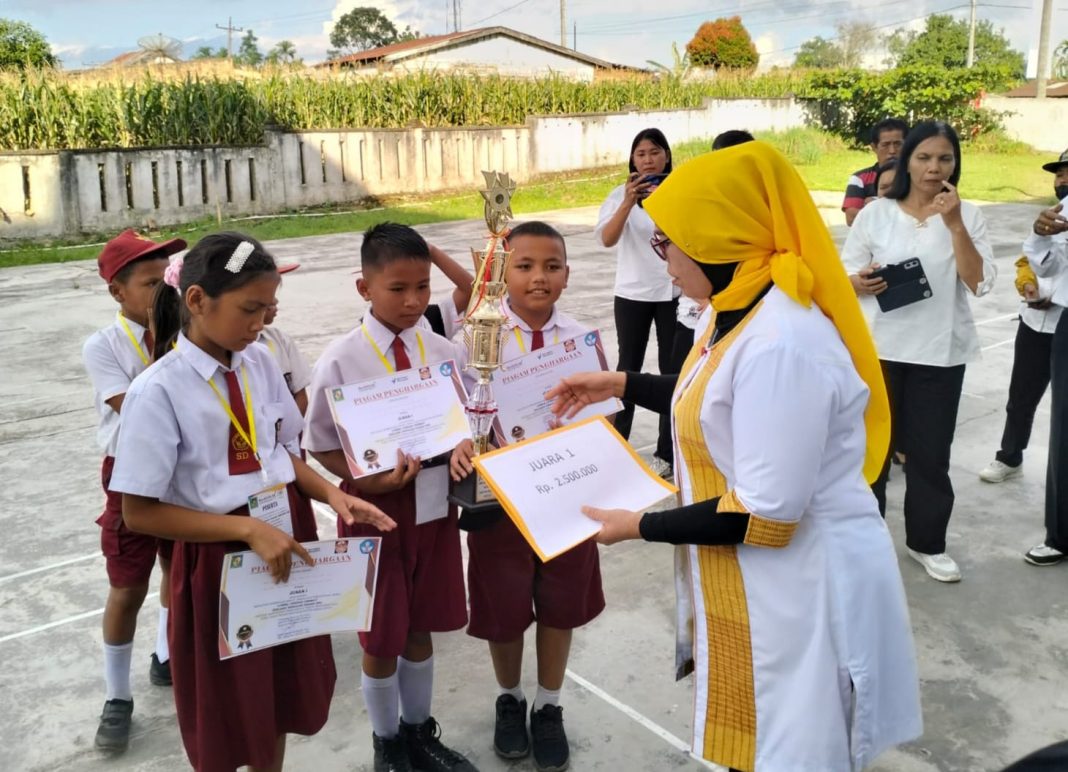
(159, 673)
(427, 752)
(391, 755)
(113, 734)
(551, 752)
(510, 738)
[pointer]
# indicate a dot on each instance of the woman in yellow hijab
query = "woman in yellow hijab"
(791, 608)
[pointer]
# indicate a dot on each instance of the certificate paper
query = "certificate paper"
(419, 411)
(335, 595)
(544, 483)
(520, 385)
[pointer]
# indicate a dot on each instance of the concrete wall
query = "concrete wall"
(70, 192)
(1038, 122)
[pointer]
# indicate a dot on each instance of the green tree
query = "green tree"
(723, 43)
(364, 28)
(284, 52)
(248, 53)
(855, 40)
(22, 46)
(680, 65)
(1060, 60)
(207, 52)
(944, 43)
(819, 54)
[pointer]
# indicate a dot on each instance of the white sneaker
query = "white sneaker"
(662, 468)
(941, 567)
(996, 472)
(1044, 555)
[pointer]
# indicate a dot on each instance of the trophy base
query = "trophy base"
(477, 501)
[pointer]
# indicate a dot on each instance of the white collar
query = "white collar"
(137, 330)
(521, 324)
(383, 336)
(203, 363)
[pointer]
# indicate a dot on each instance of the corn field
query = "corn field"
(46, 110)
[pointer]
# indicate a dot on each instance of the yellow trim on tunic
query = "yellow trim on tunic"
(764, 532)
(730, 710)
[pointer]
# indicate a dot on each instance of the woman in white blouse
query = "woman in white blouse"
(644, 294)
(925, 345)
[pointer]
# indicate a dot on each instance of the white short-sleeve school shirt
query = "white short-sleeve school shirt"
(294, 366)
(113, 362)
(174, 441)
(939, 330)
(640, 273)
(517, 341)
(357, 356)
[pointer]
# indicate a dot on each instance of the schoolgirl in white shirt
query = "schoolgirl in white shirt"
(189, 458)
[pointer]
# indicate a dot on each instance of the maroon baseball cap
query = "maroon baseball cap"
(129, 246)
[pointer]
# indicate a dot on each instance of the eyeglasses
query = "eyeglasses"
(660, 246)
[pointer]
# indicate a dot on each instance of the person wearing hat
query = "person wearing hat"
(133, 266)
(791, 601)
(1031, 357)
(1046, 249)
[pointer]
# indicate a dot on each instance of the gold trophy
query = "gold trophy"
(484, 324)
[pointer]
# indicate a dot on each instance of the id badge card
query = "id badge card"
(271, 505)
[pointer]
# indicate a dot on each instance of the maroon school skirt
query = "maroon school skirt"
(232, 712)
(420, 585)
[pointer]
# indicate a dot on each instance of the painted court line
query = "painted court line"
(60, 564)
(994, 319)
(999, 344)
(60, 622)
(646, 722)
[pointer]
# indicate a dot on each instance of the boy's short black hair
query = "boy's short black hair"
(538, 228)
(389, 241)
(127, 270)
(888, 124)
(730, 138)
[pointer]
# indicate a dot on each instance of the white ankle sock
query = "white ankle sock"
(516, 691)
(163, 651)
(381, 697)
(546, 697)
(117, 671)
(416, 682)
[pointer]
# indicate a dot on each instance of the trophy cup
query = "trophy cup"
(484, 324)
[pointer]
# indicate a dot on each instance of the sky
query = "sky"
(84, 33)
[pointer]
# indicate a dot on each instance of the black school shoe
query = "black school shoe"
(551, 752)
(113, 734)
(159, 673)
(391, 755)
(427, 752)
(510, 738)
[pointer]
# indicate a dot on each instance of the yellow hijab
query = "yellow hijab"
(746, 204)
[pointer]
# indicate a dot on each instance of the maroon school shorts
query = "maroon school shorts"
(129, 556)
(510, 586)
(420, 577)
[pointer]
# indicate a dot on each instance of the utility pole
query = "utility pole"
(455, 15)
(1043, 49)
(563, 23)
(230, 30)
(574, 35)
(971, 36)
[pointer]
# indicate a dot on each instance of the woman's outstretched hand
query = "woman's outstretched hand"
(616, 524)
(575, 392)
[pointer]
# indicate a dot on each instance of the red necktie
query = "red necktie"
(537, 340)
(150, 343)
(239, 454)
(400, 356)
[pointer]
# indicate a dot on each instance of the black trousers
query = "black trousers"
(1057, 471)
(923, 408)
(634, 319)
(1030, 377)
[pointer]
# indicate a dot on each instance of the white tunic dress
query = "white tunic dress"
(811, 607)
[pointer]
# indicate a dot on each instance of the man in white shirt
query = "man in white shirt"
(1047, 252)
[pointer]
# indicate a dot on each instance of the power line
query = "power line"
(498, 13)
(230, 30)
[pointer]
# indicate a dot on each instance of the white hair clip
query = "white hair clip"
(240, 255)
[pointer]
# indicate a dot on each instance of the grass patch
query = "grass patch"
(999, 171)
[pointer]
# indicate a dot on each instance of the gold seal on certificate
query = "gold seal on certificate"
(520, 385)
(543, 483)
(484, 323)
(419, 411)
(336, 595)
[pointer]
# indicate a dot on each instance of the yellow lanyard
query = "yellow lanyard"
(523, 346)
(382, 357)
(250, 436)
(133, 341)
